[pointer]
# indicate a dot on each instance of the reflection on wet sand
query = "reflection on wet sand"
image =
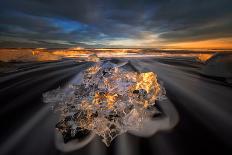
(41, 54)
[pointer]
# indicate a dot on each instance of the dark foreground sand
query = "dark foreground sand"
(203, 104)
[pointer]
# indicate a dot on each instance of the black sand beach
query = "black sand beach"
(203, 104)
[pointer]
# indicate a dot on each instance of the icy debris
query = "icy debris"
(204, 57)
(93, 58)
(219, 65)
(109, 101)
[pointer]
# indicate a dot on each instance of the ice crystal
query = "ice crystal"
(109, 101)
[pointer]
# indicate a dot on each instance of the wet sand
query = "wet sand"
(203, 104)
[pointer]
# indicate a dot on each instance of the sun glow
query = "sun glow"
(224, 43)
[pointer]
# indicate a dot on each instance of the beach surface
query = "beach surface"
(203, 104)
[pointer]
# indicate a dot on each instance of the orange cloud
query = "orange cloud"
(223, 43)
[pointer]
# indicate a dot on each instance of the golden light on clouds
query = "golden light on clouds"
(223, 43)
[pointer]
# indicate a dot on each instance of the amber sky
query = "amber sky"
(116, 23)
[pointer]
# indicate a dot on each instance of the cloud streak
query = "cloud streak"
(108, 22)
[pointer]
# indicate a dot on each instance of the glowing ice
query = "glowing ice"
(109, 101)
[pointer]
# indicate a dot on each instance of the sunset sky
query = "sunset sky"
(116, 23)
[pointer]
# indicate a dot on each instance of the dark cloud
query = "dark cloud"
(84, 22)
(194, 19)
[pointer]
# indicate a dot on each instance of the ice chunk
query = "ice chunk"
(220, 65)
(93, 58)
(109, 101)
